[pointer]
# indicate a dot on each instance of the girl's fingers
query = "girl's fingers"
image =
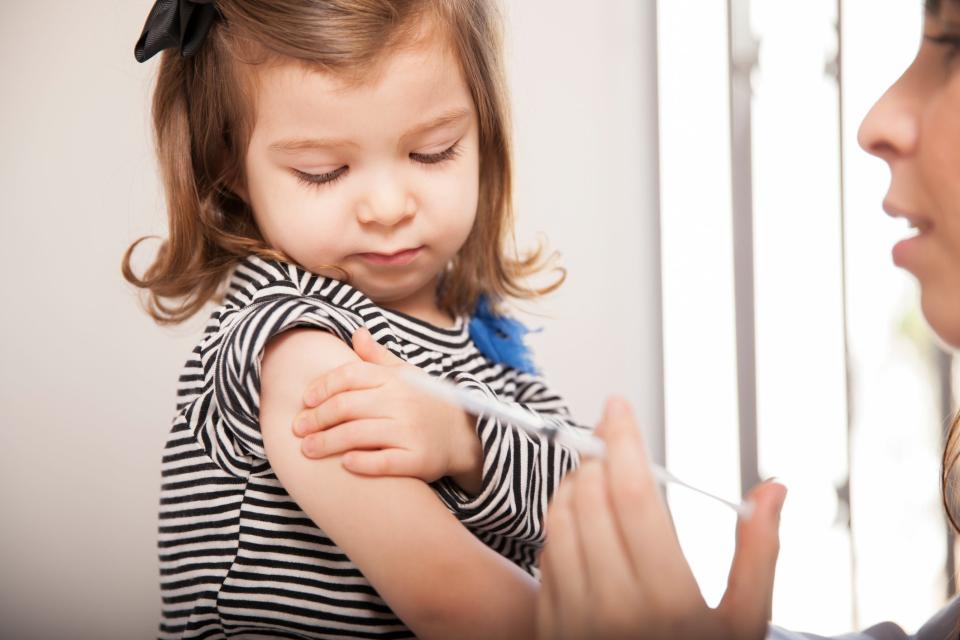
(382, 462)
(354, 375)
(358, 434)
(369, 350)
(342, 407)
(747, 603)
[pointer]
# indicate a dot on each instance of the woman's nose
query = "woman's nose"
(890, 128)
(388, 202)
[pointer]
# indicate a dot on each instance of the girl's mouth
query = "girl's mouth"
(399, 258)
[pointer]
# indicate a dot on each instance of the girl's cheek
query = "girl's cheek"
(466, 181)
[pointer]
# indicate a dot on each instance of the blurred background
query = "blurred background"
(695, 164)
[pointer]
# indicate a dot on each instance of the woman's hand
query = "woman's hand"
(613, 568)
(383, 425)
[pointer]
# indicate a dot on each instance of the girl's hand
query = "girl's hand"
(613, 568)
(384, 426)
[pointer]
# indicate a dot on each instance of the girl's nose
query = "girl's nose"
(889, 131)
(387, 203)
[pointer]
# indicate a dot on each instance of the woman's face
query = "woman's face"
(915, 128)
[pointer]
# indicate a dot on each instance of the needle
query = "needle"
(588, 445)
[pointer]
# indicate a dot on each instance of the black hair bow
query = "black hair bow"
(175, 23)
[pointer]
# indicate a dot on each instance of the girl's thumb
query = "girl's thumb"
(370, 350)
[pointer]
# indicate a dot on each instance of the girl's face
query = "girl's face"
(915, 128)
(379, 178)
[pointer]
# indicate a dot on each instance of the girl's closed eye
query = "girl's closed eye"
(320, 179)
(328, 178)
(435, 158)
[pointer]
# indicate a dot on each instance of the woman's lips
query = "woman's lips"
(914, 220)
(908, 251)
(397, 259)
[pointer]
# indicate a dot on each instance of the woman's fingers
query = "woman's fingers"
(546, 613)
(637, 502)
(746, 605)
(613, 567)
(608, 576)
(665, 589)
(564, 568)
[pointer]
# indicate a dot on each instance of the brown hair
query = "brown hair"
(951, 456)
(203, 119)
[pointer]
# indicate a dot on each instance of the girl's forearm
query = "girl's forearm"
(481, 597)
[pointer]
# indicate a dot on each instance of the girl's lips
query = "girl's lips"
(399, 258)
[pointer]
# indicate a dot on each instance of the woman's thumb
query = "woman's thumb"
(747, 603)
(370, 350)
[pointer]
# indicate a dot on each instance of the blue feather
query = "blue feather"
(500, 338)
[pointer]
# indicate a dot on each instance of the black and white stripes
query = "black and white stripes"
(237, 555)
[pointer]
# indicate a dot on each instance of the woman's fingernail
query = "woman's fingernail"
(776, 505)
(617, 407)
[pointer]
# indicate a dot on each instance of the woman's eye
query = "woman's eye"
(948, 41)
(434, 158)
(320, 179)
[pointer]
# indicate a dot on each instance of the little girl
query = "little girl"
(338, 175)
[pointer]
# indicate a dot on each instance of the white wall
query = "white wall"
(584, 92)
(86, 379)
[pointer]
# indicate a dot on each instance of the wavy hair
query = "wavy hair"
(948, 468)
(203, 117)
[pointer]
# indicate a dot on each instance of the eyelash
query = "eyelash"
(950, 41)
(436, 158)
(326, 179)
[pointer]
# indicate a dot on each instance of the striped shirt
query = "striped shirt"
(238, 557)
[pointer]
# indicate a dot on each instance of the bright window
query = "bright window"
(817, 361)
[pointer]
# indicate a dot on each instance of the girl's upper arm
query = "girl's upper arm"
(435, 575)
